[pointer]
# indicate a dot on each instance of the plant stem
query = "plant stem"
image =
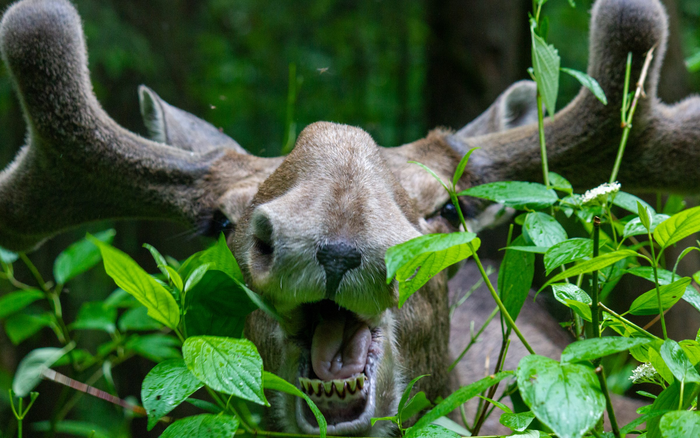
(608, 402)
(473, 340)
(624, 321)
(656, 283)
(595, 312)
(34, 271)
(494, 294)
(543, 145)
(481, 418)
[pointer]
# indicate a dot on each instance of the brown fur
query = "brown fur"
(336, 185)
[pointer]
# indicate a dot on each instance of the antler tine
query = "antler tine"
(78, 164)
(582, 138)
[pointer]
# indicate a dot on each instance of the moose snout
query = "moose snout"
(337, 258)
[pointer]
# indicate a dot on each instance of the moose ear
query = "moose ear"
(175, 127)
(517, 106)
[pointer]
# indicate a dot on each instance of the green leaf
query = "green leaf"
(568, 251)
(434, 175)
(195, 276)
(455, 399)
(644, 216)
(415, 405)
(515, 278)
(137, 319)
(670, 400)
(678, 362)
(22, 326)
(677, 227)
(16, 301)
(544, 230)
(434, 431)
(573, 297)
(156, 347)
(217, 306)
(629, 202)
(517, 194)
(594, 264)
(204, 405)
(531, 249)
(7, 256)
(589, 349)
(159, 259)
(635, 227)
(498, 404)
(218, 256)
(517, 422)
(560, 183)
(692, 350)
(545, 62)
(30, 369)
(270, 381)
(674, 204)
(166, 386)
(79, 257)
(691, 296)
(407, 392)
(565, 397)
(460, 167)
(121, 299)
(587, 82)
(451, 425)
(660, 365)
(129, 276)
(648, 304)
(231, 366)
(95, 316)
(415, 262)
(203, 426)
(174, 277)
(680, 424)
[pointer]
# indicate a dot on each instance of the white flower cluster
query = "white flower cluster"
(643, 373)
(600, 193)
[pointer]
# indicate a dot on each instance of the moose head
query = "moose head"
(310, 230)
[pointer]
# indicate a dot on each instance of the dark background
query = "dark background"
(395, 68)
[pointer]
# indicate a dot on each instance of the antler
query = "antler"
(78, 164)
(663, 151)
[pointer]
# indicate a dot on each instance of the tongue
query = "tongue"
(339, 347)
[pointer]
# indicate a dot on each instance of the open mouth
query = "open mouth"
(338, 370)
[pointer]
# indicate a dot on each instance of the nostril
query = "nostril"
(263, 247)
(337, 258)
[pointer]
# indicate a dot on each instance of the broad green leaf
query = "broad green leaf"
(7, 256)
(660, 365)
(455, 399)
(166, 386)
(589, 349)
(452, 426)
(156, 347)
(218, 256)
(560, 183)
(574, 298)
(670, 400)
(22, 326)
(517, 194)
(587, 82)
(680, 424)
(203, 426)
(434, 431)
(271, 381)
(30, 369)
(515, 278)
(568, 251)
(132, 278)
(544, 230)
(629, 202)
(517, 422)
(72, 428)
(231, 366)
(678, 362)
(565, 397)
(174, 277)
(545, 62)
(648, 304)
(594, 264)
(16, 301)
(121, 299)
(691, 296)
(195, 276)
(407, 392)
(415, 262)
(677, 227)
(217, 306)
(460, 168)
(137, 319)
(79, 257)
(636, 228)
(692, 350)
(532, 249)
(95, 316)
(159, 259)
(205, 405)
(415, 405)
(674, 204)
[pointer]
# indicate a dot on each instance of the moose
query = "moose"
(310, 230)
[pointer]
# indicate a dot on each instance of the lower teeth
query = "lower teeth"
(340, 388)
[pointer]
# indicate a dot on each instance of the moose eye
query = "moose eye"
(449, 213)
(218, 223)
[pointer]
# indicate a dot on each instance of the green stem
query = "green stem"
(656, 283)
(595, 311)
(680, 402)
(620, 152)
(34, 271)
(473, 340)
(608, 402)
(543, 145)
(494, 294)
(624, 320)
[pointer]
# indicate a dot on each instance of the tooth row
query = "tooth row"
(318, 387)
